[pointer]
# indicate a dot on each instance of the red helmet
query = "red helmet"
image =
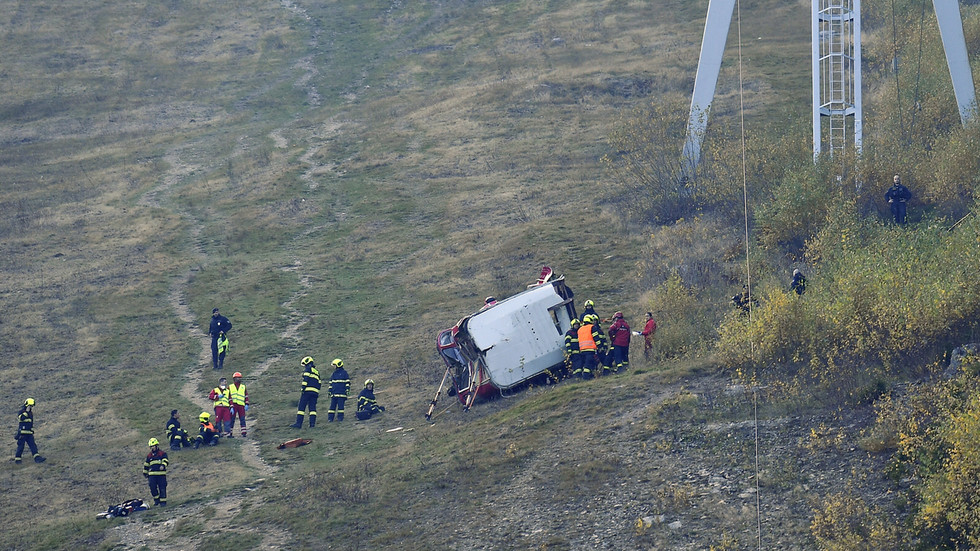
(237, 374)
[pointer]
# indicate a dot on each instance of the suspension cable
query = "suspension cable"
(748, 270)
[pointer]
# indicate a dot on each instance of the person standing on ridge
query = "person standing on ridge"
(648, 330)
(309, 393)
(177, 436)
(619, 334)
(367, 404)
(219, 325)
(25, 432)
(155, 472)
(898, 196)
(239, 403)
(220, 396)
(589, 310)
(339, 390)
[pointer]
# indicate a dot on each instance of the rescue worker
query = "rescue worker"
(367, 405)
(177, 436)
(619, 334)
(309, 393)
(339, 390)
(222, 348)
(155, 472)
(602, 355)
(589, 310)
(799, 282)
(219, 324)
(220, 397)
(239, 403)
(898, 196)
(648, 330)
(25, 432)
(587, 348)
(206, 433)
(572, 356)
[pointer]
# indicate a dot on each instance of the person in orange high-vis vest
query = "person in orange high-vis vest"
(221, 397)
(239, 403)
(587, 350)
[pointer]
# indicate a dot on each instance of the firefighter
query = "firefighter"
(798, 284)
(339, 390)
(591, 323)
(619, 334)
(155, 472)
(25, 432)
(367, 404)
(587, 348)
(572, 356)
(309, 393)
(589, 310)
(206, 434)
(239, 403)
(220, 396)
(177, 436)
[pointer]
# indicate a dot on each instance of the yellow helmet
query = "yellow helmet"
(337, 363)
(29, 402)
(576, 322)
(153, 442)
(368, 382)
(589, 303)
(204, 417)
(306, 361)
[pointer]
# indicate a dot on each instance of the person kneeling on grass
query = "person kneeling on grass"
(367, 405)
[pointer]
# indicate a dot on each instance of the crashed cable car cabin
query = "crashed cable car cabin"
(508, 342)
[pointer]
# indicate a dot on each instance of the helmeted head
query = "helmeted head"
(369, 382)
(308, 360)
(337, 362)
(618, 315)
(576, 323)
(590, 318)
(796, 272)
(29, 402)
(237, 377)
(204, 417)
(589, 304)
(153, 442)
(490, 300)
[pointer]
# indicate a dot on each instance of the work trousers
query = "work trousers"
(25, 439)
(237, 410)
(336, 407)
(222, 419)
(158, 488)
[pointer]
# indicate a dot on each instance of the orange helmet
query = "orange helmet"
(237, 374)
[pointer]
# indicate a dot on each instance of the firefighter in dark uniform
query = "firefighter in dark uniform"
(339, 390)
(309, 394)
(25, 432)
(206, 434)
(602, 356)
(589, 310)
(155, 472)
(367, 404)
(571, 349)
(177, 436)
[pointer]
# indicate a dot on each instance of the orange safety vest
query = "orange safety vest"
(585, 341)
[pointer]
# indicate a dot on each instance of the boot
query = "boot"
(299, 422)
(312, 421)
(40, 459)
(197, 444)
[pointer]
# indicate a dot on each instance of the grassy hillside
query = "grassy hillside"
(345, 179)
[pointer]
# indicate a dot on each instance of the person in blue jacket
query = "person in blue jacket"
(339, 390)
